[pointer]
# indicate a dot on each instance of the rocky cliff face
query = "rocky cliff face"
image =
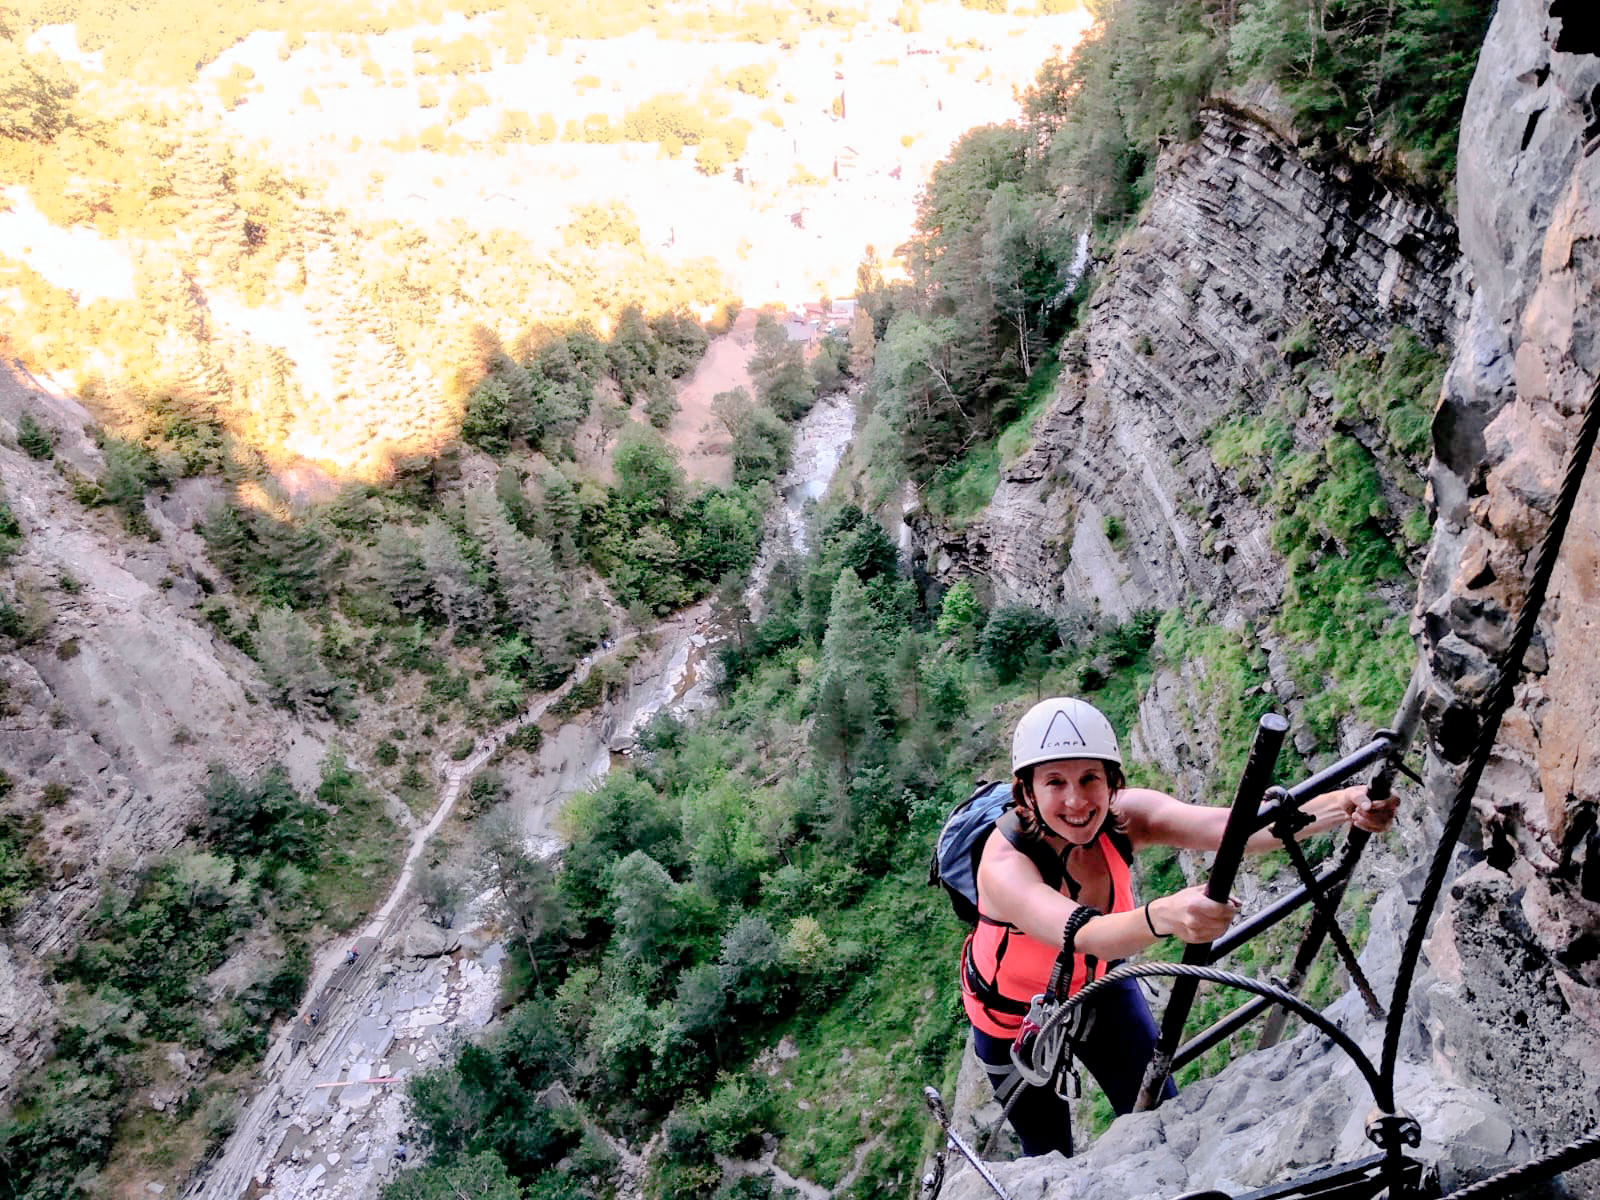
(1515, 954)
(1245, 252)
(1501, 1053)
(1249, 261)
(119, 705)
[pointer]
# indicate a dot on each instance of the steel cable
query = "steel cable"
(1571, 1155)
(1330, 919)
(1545, 561)
(1381, 1092)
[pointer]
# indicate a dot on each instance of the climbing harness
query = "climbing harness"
(1390, 1173)
(1044, 1061)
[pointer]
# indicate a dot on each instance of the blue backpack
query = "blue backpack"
(960, 843)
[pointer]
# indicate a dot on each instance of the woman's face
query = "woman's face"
(1074, 796)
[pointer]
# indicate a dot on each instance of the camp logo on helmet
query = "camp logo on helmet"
(1062, 734)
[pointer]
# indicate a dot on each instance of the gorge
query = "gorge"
(1302, 426)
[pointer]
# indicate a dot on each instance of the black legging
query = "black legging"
(1116, 1051)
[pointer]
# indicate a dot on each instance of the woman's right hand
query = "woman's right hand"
(1192, 916)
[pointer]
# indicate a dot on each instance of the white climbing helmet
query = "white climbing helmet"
(1062, 727)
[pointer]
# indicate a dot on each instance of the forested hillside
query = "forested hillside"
(886, 708)
(302, 221)
(736, 956)
(995, 285)
(485, 548)
(411, 616)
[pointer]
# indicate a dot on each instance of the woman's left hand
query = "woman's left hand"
(1350, 806)
(1374, 816)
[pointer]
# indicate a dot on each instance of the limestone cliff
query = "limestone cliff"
(1501, 1054)
(1248, 261)
(1518, 981)
(1243, 244)
(91, 707)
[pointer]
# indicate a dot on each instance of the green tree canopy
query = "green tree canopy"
(1016, 641)
(35, 92)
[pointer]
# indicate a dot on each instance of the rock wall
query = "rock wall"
(1500, 1058)
(123, 701)
(1243, 248)
(1517, 950)
(1248, 260)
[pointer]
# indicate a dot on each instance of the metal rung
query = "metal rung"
(1360, 1180)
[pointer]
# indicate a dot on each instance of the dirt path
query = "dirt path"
(350, 997)
(765, 1165)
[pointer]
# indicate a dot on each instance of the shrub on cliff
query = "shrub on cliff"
(1017, 641)
(262, 818)
(10, 531)
(34, 438)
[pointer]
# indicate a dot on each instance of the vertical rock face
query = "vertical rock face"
(1516, 948)
(1500, 1054)
(1244, 252)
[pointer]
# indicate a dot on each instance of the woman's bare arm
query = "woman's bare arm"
(1013, 891)
(1152, 818)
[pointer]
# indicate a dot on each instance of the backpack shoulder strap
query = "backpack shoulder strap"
(1044, 859)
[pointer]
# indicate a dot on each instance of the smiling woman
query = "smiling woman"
(1056, 907)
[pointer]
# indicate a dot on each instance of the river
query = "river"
(328, 1119)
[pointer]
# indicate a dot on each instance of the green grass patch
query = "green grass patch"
(863, 1063)
(1351, 650)
(1230, 671)
(1342, 610)
(1396, 390)
(1017, 438)
(963, 487)
(21, 861)
(1248, 444)
(362, 849)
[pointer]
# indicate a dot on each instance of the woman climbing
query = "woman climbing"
(1057, 882)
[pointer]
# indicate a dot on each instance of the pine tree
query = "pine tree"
(228, 540)
(850, 699)
(862, 342)
(456, 594)
(562, 514)
(508, 490)
(291, 666)
(530, 588)
(523, 884)
(632, 353)
(293, 559)
(643, 912)
(398, 569)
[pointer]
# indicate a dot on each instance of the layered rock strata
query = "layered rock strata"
(1244, 249)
